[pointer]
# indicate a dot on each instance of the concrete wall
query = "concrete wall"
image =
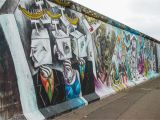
(158, 56)
(10, 104)
(58, 68)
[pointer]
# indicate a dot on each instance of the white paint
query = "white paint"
(24, 78)
(2, 2)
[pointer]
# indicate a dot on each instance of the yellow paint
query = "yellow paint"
(145, 68)
(116, 88)
(36, 15)
(72, 21)
(122, 86)
(53, 16)
(66, 4)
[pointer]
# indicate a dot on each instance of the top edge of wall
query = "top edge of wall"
(87, 11)
(11, 5)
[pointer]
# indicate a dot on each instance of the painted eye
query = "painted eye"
(66, 48)
(91, 29)
(34, 51)
(82, 44)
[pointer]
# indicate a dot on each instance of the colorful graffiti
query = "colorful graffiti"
(72, 58)
(158, 56)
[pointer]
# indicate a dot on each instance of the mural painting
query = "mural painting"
(150, 63)
(71, 58)
(59, 54)
(158, 56)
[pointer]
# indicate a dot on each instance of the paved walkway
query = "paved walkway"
(138, 103)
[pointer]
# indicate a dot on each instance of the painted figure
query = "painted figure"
(49, 82)
(127, 45)
(80, 44)
(64, 53)
(140, 55)
(133, 57)
(72, 84)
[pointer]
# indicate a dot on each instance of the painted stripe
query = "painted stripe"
(115, 88)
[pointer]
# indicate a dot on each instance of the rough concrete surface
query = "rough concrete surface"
(138, 103)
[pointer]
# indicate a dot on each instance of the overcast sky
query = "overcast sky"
(142, 15)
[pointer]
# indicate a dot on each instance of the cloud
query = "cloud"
(148, 7)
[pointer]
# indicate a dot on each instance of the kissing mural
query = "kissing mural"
(71, 57)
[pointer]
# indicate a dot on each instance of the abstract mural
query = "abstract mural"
(71, 57)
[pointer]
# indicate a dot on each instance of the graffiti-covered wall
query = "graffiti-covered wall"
(158, 57)
(57, 56)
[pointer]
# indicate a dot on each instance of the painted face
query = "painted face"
(63, 46)
(38, 52)
(63, 50)
(82, 47)
(40, 48)
(128, 38)
(133, 44)
(66, 48)
(79, 44)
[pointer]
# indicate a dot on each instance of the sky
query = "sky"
(142, 15)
